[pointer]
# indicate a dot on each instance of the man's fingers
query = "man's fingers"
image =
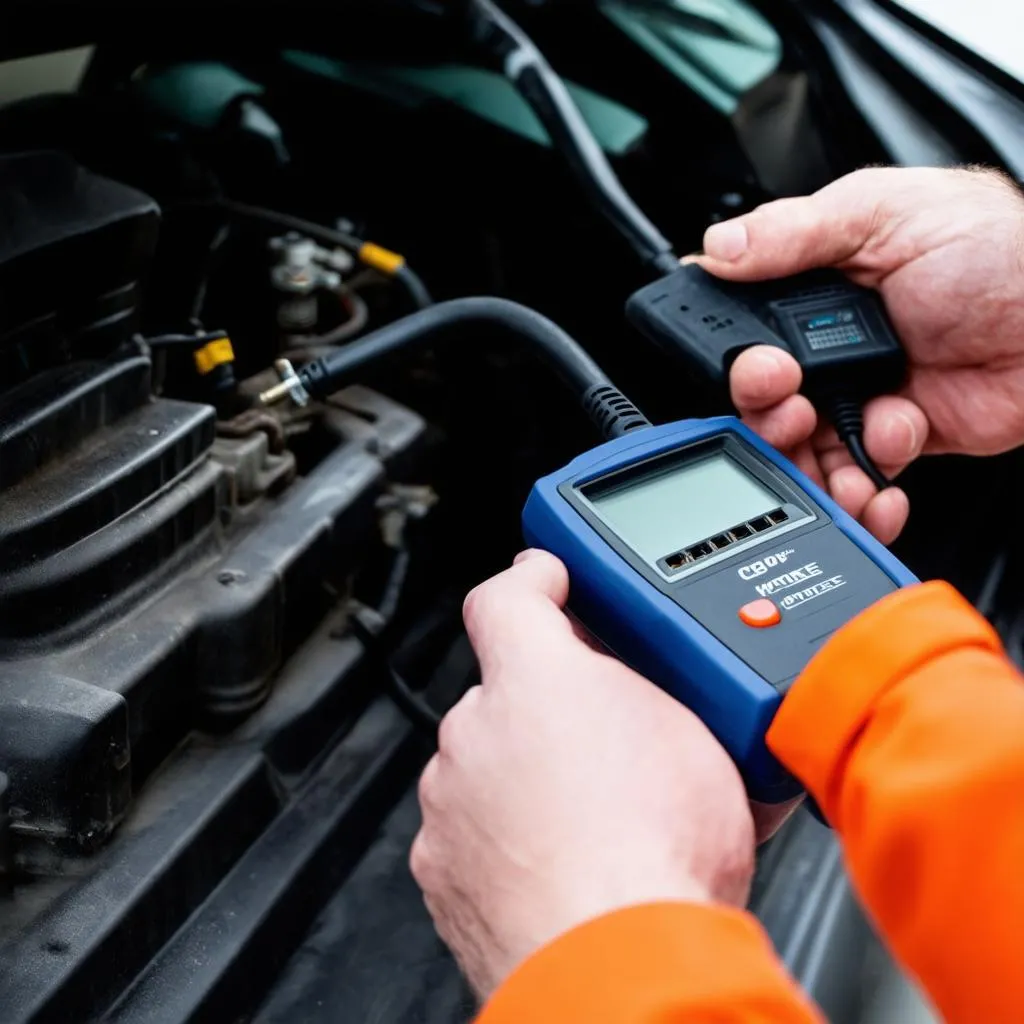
(895, 433)
(806, 460)
(518, 614)
(895, 430)
(886, 514)
(762, 377)
(839, 459)
(851, 489)
(848, 224)
(529, 553)
(882, 513)
(787, 426)
(537, 571)
(789, 236)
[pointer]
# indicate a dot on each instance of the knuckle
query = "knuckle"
(457, 724)
(480, 604)
(763, 215)
(428, 790)
(447, 734)
(420, 861)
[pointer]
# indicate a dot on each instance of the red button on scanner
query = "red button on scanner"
(761, 614)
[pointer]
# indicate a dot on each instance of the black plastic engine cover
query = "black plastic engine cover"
(137, 601)
(73, 246)
(65, 751)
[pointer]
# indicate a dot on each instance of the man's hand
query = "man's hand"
(946, 250)
(566, 786)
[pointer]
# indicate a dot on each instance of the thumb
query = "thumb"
(516, 617)
(789, 236)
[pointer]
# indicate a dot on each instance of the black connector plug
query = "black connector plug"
(839, 333)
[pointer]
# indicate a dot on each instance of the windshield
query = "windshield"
(992, 28)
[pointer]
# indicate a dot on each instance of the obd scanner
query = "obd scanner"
(838, 332)
(710, 564)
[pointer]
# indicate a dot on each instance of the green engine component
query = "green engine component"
(720, 48)
(197, 93)
(485, 94)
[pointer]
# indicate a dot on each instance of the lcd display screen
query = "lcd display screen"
(678, 506)
(834, 329)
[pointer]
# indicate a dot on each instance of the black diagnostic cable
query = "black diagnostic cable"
(497, 35)
(848, 419)
(608, 408)
(383, 260)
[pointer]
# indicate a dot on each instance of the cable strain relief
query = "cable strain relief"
(613, 413)
(316, 378)
(847, 417)
(664, 263)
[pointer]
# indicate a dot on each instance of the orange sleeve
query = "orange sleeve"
(663, 963)
(908, 729)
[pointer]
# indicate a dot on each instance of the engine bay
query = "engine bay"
(219, 620)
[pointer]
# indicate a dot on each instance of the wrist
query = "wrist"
(587, 893)
(634, 885)
(571, 906)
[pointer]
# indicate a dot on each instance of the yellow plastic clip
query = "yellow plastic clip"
(379, 258)
(212, 355)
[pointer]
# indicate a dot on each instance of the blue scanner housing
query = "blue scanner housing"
(676, 619)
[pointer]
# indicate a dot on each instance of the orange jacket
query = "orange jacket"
(908, 729)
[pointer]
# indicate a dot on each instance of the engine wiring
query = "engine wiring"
(391, 264)
(525, 66)
(415, 707)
